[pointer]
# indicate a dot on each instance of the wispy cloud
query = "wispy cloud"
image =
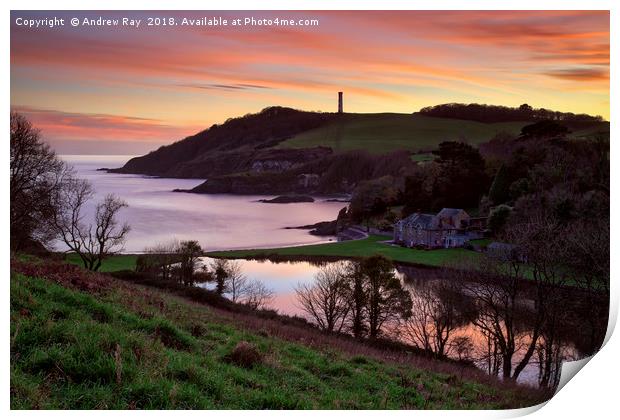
(60, 125)
(218, 86)
(586, 74)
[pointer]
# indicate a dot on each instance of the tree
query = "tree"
(236, 283)
(459, 178)
(358, 298)
(497, 291)
(230, 280)
(499, 192)
(220, 268)
(257, 295)
(545, 130)
(159, 259)
(438, 310)
(387, 300)
(37, 175)
(372, 198)
(498, 217)
(92, 242)
(417, 194)
(326, 300)
(189, 253)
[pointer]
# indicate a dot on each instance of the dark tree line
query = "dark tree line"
(457, 178)
(181, 262)
(496, 113)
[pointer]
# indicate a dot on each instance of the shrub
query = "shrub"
(245, 355)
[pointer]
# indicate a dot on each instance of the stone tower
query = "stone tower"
(340, 102)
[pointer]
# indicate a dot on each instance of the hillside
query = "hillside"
(84, 341)
(233, 146)
(283, 150)
(380, 133)
(277, 139)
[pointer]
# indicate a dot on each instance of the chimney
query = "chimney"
(340, 102)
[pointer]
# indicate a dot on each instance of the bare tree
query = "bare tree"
(463, 347)
(326, 300)
(92, 242)
(236, 284)
(36, 176)
(231, 281)
(160, 259)
(588, 257)
(257, 295)
(437, 313)
(512, 329)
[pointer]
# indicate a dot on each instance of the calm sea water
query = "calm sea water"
(217, 221)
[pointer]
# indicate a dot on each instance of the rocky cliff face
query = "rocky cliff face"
(331, 174)
(240, 161)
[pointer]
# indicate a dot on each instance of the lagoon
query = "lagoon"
(156, 214)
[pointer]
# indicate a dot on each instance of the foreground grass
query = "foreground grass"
(113, 263)
(359, 248)
(131, 347)
(380, 133)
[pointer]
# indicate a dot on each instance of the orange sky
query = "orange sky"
(127, 90)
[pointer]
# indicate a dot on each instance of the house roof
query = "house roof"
(449, 212)
(420, 220)
(430, 221)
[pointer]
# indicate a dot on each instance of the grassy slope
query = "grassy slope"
(114, 263)
(359, 248)
(131, 347)
(379, 133)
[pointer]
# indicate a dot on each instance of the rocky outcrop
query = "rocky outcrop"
(285, 199)
(320, 228)
(332, 174)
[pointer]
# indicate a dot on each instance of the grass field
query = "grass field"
(132, 347)
(359, 248)
(378, 133)
(113, 263)
(482, 242)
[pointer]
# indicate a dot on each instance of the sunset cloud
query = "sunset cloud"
(237, 86)
(59, 125)
(163, 82)
(580, 74)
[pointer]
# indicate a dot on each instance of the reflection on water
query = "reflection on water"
(217, 221)
(468, 340)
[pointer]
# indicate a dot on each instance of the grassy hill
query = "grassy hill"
(380, 133)
(85, 341)
(373, 245)
(278, 138)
